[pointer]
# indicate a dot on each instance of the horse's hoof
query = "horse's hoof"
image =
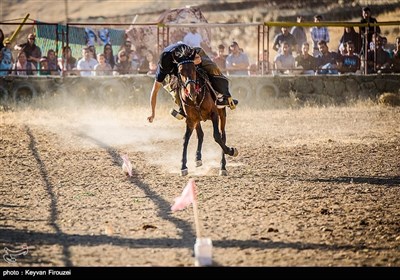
(235, 152)
(184, 172)
(199, 163)
(223, 173)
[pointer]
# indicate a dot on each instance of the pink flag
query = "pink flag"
(187, 197)
(126, 166)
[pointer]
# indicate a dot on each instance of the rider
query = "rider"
(167, 66)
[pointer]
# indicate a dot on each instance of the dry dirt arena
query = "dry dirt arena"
(312, 186)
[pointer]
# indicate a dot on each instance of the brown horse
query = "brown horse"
(198, 100)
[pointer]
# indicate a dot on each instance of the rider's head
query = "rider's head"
(184, 53)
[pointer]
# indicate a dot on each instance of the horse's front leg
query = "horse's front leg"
(222, 170)
(218, 137)
(200, 137)
(186, 138)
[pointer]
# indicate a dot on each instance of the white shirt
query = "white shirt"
(193, 40)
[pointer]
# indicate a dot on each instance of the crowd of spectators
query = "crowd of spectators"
(297, 50)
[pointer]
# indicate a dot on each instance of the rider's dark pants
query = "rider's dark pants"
(220, 84)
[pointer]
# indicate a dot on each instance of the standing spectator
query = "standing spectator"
(350, 34)
(284, 36)
(1, 39)
(237, 62)
(378, 60)
(102, 68)
(299, 34)
(109, 54)
(4, 68)
(193, 38)
(86, 64)
(22, 67)
(32, 51)
(305, 61)
(328, 62)
(220, 59)
(8, 59)
(351, 61)
(284, 61)
(396, 57)
(67, 62)
(366, 32)
(318, 33)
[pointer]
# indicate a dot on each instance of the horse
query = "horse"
(198, 102)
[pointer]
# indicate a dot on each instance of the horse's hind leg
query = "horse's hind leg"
(188, 133)
(200, 137)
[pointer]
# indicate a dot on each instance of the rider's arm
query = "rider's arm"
(153, 99)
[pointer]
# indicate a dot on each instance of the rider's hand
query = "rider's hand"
(150, 118)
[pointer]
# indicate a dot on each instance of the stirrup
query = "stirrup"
(176, 114)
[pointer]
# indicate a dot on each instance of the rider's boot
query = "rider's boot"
(224, 100)
(178, 114)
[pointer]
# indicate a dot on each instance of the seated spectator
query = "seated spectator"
(305, 60)
(284, 62)
(109, 54)
(327, 62)
(52, 62)
(102, 68)
(123, 66)
(44, 67)
(351, 61)
(22, 67)
(86, 64)
(237, 62)
(67, 63)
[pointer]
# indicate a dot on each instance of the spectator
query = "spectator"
(327, 62)
(284, 36)
(67, 63)
(127, 47)
(305, 60)
(349, 34)
(4, 68)
(193, 38)
(220, 59)
(44, 67)
(102, 68)
(284, 62)
(318, 33)
(351, 61)
(299, 34)
(378, 60)
(123, 66)
(86, 64)
(8, 60)
(108, 54)
(32, 51)
(366, 32)
(237, 62)
(52, 62)
(22, 67)
(396, 57)
(1, 39)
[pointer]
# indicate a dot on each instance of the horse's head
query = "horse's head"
(184, 57)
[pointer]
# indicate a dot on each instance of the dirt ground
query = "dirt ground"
(315, 187)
